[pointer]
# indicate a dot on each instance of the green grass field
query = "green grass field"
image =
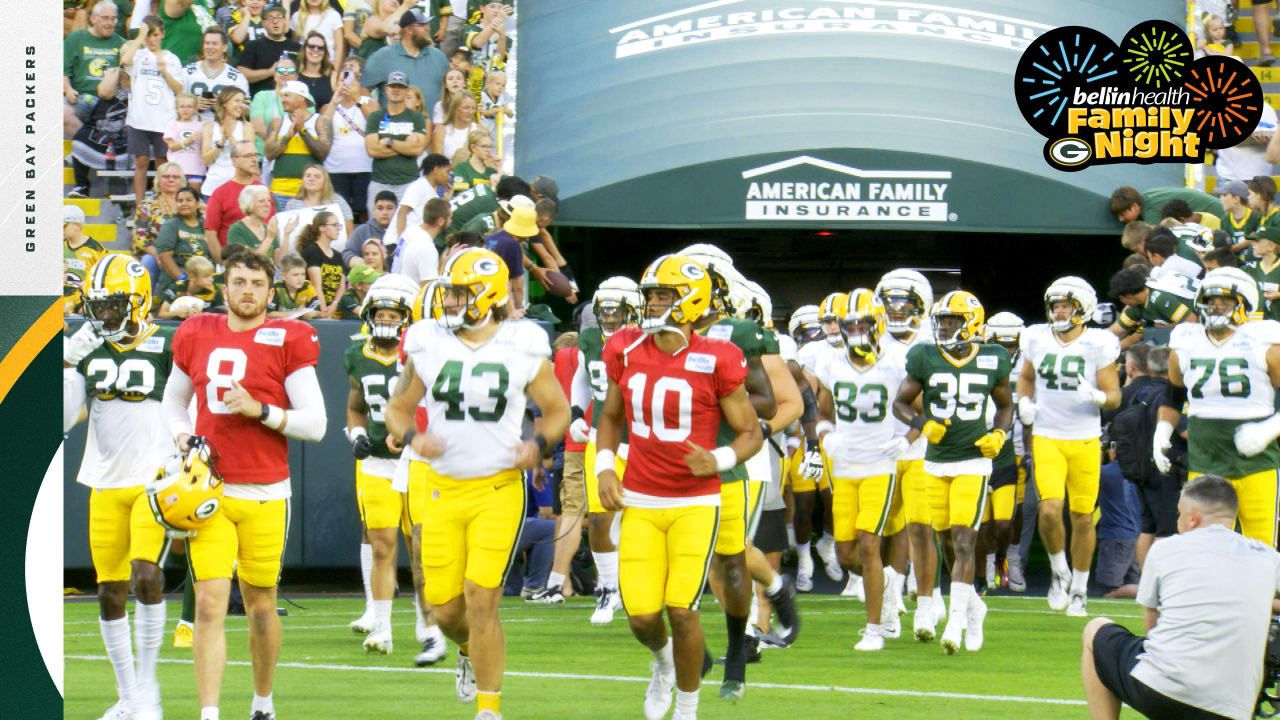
(559, 667)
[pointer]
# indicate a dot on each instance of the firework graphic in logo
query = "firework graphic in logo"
(1227, 100)
(1056, 65)
(1157, 54)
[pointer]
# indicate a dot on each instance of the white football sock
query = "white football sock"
(924, 602)
(555, 580)
(366, 572)
(960, 594)
(382, 614)
(890, 577)
(209, 713)
(262, 704)
(665, 656)
(802, 549)
(686, 703)
(115, 636)
(1080, 582)
(791, 536)
(774, 585)
(606, 568)
(148, 629)
(753, 615)
(1058, 561)
(828, 538)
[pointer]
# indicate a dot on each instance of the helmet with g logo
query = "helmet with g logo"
(187, 490)
(1226, 282)
(117, 294)
(1073, 290)
(691, 284)
(907, 297)
(833, 308)
(725, 296)
(963, 305)
(864, 307)
(483, 276)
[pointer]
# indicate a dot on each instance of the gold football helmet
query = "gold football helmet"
(483, 276)
(831, 311)
(117, 295)
(692, 286)
(187, 490)
(864, 309)
(958, 319)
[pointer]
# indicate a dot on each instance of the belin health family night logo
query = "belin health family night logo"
(1144, 101)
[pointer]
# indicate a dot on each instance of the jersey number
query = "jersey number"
(952, 388)
(661, 389)
(448, 390)
(225, 366)
(375, 398)
(847, 393)
(1232, 382)
(131, 380)
(1064, 375)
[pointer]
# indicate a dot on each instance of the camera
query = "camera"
(1268, 704)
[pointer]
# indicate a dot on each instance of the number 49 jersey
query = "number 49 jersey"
(475, 397)
(1061, 413)
(957, 392)
(1228, 381)
(376, 375)
(864, 412)
(214, 357)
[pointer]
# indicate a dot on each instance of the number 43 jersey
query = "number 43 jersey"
(475, 397)
(1227, 381)
(957, 392)
(1061, 412)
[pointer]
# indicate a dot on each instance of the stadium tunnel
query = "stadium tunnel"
(820, 143)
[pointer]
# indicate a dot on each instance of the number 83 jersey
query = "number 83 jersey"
(864, 412)
(1061, 412)
(475, 397)
(1227, 381)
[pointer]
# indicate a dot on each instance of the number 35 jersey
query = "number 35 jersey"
(127, 436)
(1227, 381)
(864, 412)
(1061, 412)
(957, 391)
(214, 357)
(475, 397)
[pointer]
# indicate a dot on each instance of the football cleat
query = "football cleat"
(924, 625)
(363, 625)
(119, 711)
(784, 603)
(804, 572)
(1058, 592)
(804, 583)
(1017, 581)
(1078, 606)
(488, 715)
(827, 551)
(976, 613)
(379, 640)
(183, 635)
(855, 588)
(772, 640)
(433, 648)
(872, 639)
(607, 601)
(952, 635)
(732, 690)
(464, 679)
(262, 715)
(548, 596)
(911, 584)
(421, 630)
(658, 696)
(890, 624)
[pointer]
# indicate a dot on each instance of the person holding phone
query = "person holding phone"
(206, 76)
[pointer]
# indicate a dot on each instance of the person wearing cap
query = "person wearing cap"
(483, 211)
(506, 242)
(423, 64)
(1266, 243)
(545, 187)
(258, 61)
(416, 253)
(1238, 219)
(299, 138)
(394, 138)
(79, 254)
(384, 208)
(359, 278)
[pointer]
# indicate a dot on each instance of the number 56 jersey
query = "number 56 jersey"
(1062, 414)
(475, 397)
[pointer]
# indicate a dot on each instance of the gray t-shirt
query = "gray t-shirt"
(1213, 589)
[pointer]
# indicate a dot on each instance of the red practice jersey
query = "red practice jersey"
(260, 359)
(566, 364)
(420, 412)
(668, 401)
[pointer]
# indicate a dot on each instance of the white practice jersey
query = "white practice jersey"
(891, 344)
(197, 80)
(1061, 412)
(864, 413)
(1228, 381)
(1019, 443)
(813, 355)
(475, 397)
(125, 445)
(786, 347)
(152, 103)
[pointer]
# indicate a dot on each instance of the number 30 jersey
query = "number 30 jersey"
(669, 401)
(475, 397)
(1227, 381)
(127, 437)
(1061, 413)
(864, 412)
(214, 357)
(957, 391)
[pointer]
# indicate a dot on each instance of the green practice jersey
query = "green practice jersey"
(376, 376)
(957, 392)
(753, 341)
(133, 374)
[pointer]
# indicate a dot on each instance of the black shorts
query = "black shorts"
(771, 535)
(148, 143)
(554, 479)
(1115, 652)
(1160, 503)
(1003, 477)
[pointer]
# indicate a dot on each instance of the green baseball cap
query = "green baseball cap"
(362, 274)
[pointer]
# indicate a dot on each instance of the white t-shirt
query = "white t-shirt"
(415, 198)
(348, 154)
(152, 103)
(1241, 361)
(1247, 160)
(1061, 412)
(196, 80)
(480, 411)
(1213, 590)
(416, 255)
(324, 24)
(889, 343)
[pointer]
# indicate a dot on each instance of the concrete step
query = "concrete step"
(92, 207)
(68, 176)
(105, 234)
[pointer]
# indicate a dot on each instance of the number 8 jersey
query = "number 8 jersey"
(475, 397)
(1061, 413)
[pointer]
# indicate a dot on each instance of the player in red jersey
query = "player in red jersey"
(672, 387)
(254, 382)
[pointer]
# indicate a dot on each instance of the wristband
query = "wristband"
(273, 417)
(822, 427)
(604, 460)
(543, 448)
(726, 458)
(576, 413)
(765, 429)
(408, 437)
(356, 432)
(265, 412)
(917, 422)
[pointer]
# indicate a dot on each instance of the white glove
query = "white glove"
(1161, 441)
(579, 430)
(78, 346)
(1087, 391)
(895, 448)
(812, 467)
(1252, 438)
(1027, 411)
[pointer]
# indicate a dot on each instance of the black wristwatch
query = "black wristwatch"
(266, 411)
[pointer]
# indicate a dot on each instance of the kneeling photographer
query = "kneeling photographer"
(1207, 598)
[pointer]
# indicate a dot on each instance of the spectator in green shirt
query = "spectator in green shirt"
(475, 164)
(1267, 269)
(394, 138)
(86, 56)
(1127, 204)
(181, 238)
(1144, 306)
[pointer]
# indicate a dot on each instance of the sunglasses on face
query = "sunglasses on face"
(316, 47)
(285, 71)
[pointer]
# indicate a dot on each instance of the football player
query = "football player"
(1068, 374)
(119, 362)
(862, 449)
(1008, 480)
(473, 369)
(806, 467)
(954, 379)
(907, 297)
(1226, 370)
(255, 385)
(616, 304)
(673, 388)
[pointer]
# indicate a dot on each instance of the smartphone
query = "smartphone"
(348, 77)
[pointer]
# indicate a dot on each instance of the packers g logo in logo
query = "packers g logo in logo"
(485, 266)
(206, 509)
(1068, 152)
(973, 301)
(693, 271)
(135, 269)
